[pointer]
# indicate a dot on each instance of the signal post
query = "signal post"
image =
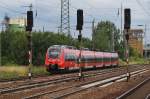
(127, 23)
(29, 36)
(79, 27)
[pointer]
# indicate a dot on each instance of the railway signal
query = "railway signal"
(29, 30)
(80, 27)
(127, 23)
(127, 18)
(79, 19)
(29, 21)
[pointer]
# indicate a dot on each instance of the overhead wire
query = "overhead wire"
(143, 8)
(75, 8)
(92, 7)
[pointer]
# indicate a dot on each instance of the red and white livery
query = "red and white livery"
(67, 57)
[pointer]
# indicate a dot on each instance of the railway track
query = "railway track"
(26, 78)
(148, 96)
(12, 84)
(60, 80)
(140, 91)
(67, 91)
(54, 81)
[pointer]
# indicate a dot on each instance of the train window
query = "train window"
(89, 58)
(93, 59)
(54, 53)
(99, 59)
(106, 59)
(67, 57)
(86, 58)
(73, 57)
(70, 57)
(83, 59)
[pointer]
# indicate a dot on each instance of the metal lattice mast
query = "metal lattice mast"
(65, 17)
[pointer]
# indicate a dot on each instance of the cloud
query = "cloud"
(49, 11)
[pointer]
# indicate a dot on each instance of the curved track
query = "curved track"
(140, 91)
(64, 92)
(90, 76)
(55, 80)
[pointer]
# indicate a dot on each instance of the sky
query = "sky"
(48, 13)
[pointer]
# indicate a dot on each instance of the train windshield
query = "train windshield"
(54, 53)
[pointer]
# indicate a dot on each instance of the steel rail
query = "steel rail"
(148, 96)
(129, 92)
(64, 79)
(82, 87)
(58, 80)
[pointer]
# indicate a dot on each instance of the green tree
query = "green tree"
(103, 36)
(15, 46)
(41, 42)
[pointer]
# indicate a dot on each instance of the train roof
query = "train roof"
(63, 46)
(72, 47)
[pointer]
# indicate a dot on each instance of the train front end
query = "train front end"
(53, 61)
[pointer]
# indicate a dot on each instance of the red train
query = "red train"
(67, 57)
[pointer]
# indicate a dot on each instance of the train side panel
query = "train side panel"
(114, 59)
(69, 59)
(99, 59)
(107, 59)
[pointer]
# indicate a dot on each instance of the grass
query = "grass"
(121, 62)
(13, 72)
(134, 60)
(39, 71)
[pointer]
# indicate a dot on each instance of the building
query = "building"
(147, 51)
(136, 40)
(16, 24)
